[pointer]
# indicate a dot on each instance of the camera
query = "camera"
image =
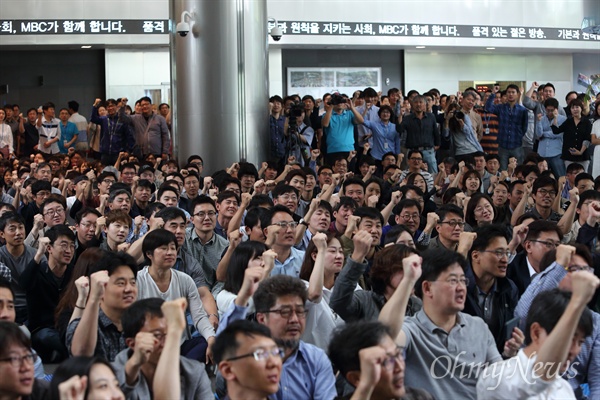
(276, 33)
(459, 115)
(296, 110)
(183, 28)
(337, 99)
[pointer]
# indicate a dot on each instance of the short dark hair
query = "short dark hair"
(155, 239)
(551, 102)
(238, 263)
(39, 185)
(394, 233)
(513, 86)
(353, 181)
(53, 198)
(134, 317)
(10, 333)
(9, 217)
(144, 183)
(113, 260)
(414, 151)
(167, 188)
(202, 199)
(48, 105)
(547, 308)
(583, 197)
(574, 167)
(544, 181)
(345, 201)
(268, 217)
(485, 235)
(73, 105)
(446, 209)
(80, 366)
(349, 339)
(536, 228)
(472, 205)
(435, 262)
(583, 176)
(270, 289)
(247, 168)
(283, 189)
(227, 194)
(85, 212)
(59, 230)
(386, 264)
(105, 175)
(406, 203)
(170, 213)
(369, 212)
(5, 283)
(226, 180)
(226, 343)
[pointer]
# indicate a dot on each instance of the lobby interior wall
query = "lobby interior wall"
(425, 70)
(390, 62)
(130, 72)
(35, 77)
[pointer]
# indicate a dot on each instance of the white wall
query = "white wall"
(424, 70)
(129, 73)
(275, 72)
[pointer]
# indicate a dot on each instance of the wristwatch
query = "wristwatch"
(303, 222)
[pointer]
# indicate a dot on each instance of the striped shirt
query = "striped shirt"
(489, 140)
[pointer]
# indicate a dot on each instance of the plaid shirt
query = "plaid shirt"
(512, 123)
(5, 272)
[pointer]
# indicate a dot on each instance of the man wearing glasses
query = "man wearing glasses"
(52, 213)
(202, 241)
(289, 259)
(446, 349)
(542, 237)
(490, 294)
(280, 306)
(569, 259)
(449, 227)
(249, 360)
(415, 165)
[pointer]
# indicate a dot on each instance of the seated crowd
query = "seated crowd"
(427, 247)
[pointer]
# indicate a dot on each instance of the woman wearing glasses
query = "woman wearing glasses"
(16, 364)
(480, 211)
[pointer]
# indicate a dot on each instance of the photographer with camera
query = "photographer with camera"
(299, 136)
(460, 126)
(338, 126)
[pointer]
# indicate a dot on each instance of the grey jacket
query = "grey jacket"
(354, 305)
(195, 384)
(152, 135)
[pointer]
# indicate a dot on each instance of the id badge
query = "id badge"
(487, 131)
(385, 146)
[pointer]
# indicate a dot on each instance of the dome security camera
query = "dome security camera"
(183, 28)
(276, 33)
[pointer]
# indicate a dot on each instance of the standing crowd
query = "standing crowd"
(428, 247)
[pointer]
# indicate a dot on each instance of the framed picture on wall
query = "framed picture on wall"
(318, 81)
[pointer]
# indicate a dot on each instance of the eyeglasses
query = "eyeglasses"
(287, 197)
(415, 159)
(544, 192)
(408, 217)
(261, 354)
(453, 223)
(575, 268)
(67, 246)
(455, 281)
(499, 253)
(390, 361)
(42, 194)
(285, 225)
(57, 211)
(88, 225)
(550, 245)
(16, 362)
(109, 181)
(202, 214)
(286, 312)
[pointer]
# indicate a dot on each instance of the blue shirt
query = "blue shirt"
(340, 132)
(306, 374)
(385, 138)
(66, 135)
(277, 136)
(512, 123)
(587, 363)
(550, 145)
(291, 265)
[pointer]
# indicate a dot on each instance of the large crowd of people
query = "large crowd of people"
(428, 247)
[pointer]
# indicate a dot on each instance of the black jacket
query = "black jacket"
(505, 302)
(518, 272)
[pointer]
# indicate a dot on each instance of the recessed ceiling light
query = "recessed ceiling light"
(490, 48)
(86, 47)
(420, 47)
